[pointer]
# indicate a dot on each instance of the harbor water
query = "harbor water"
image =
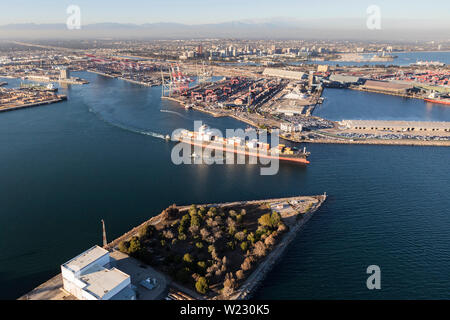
(102, 155)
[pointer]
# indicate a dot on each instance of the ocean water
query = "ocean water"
(100, 155)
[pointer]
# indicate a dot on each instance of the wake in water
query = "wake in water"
(127, 128)
(174, 112)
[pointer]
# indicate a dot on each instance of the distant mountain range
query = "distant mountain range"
(276, 28)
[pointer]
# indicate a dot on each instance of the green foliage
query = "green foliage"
(202, 264)
(251, 237)
(199, 245)
(193, 210)
(265, 220)
(270, 220)
(201, 212)
(123, 246)
(163, 242)
(202, 285)
(147, 231)
(195, 221)
(244, 246)
(275, 219)
(239, 218)
(188, 258)
(182, 237)
(135, 245)
(230, 244)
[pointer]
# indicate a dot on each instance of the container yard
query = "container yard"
(13, 99)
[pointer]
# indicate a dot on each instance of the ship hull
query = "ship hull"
(244, 151)
(446, 102)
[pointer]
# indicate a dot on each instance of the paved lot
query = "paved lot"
(138, 272)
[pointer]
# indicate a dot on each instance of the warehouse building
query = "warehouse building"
(88, 276)
(387, 87)
(345, 80)
(285, 74)
(400, 126)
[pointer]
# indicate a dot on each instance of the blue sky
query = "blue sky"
(212, 11)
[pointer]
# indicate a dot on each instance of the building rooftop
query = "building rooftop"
(100, 280)
(86, 258)
(386, 85)
(280, 73)
(398, 124)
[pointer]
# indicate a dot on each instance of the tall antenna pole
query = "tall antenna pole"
(104, 234)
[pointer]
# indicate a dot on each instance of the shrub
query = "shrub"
(201, 285)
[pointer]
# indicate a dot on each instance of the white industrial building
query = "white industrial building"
(286, 74)
(291, 127)
(88, 276)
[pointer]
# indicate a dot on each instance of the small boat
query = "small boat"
(167, 137)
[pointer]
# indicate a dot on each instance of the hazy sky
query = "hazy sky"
(211, 11)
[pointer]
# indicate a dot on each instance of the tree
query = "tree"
(240, 236)
(260, 249)
(240, 274)
(265, 220)
(123, 246)
(188, 258)
(251, 237)
(275, 219)
(202, 285)
(195, 221)
(193, 210)
(202, 264)
(244, 246)
(135, 245)
(247, 264)
(204, 233)
(229, 285)
(270, 240)
(199, 245)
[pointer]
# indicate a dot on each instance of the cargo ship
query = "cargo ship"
(440, 101)
(205, 138)
(433, 98)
